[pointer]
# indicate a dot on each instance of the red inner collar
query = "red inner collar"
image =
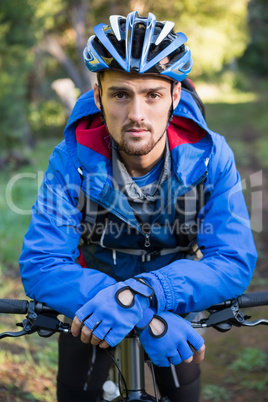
(92, 133)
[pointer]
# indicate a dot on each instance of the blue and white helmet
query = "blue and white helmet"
(113, 47)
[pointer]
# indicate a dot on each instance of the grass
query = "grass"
(18, 191)
(28, 365)
(250, 370)
(235, 367)
(251, 359)
(215, 393)
(238, 114)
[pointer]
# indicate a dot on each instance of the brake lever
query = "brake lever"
(217, 317)
(261, 321)
(47, 325)
(44, 324)
(14, 334)
(223, 320)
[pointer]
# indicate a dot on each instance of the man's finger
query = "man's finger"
(76, 326)
(188, 360)
(104, 345)
(94, 340)
(199, 356)
(86, 335)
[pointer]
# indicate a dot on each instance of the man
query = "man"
(144, 181)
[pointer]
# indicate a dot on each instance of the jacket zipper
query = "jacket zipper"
(147, 242)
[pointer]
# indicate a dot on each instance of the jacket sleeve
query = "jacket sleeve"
(226, 242)
(48, 269)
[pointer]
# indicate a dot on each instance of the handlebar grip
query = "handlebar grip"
(13, 306)
(253, 299)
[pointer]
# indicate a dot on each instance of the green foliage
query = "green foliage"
(247, 117)
(250, 360)
(18, 192)
(215, 393)
(255, 58)
(31, 60)
(17, 38)
(50, 13)
(216, 30)
(47, 118)
(42, 40)
(250, 369)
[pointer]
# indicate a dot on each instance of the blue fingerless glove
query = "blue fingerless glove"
(147, 317)
(108, 318)
(172, 346)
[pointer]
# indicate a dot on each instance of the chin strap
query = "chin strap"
(171, 110)
(101, 107)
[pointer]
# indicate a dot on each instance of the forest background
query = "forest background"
(41, 75)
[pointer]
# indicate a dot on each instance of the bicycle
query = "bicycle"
(129, 354)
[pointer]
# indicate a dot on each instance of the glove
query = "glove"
(172, 346)
(111, 320)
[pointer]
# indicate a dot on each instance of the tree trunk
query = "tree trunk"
(78, 16)
(53, 47)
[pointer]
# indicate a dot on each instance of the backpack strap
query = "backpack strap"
(95, 219)
(188, 86)
(189, 205)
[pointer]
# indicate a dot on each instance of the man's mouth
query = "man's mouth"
(137, 132)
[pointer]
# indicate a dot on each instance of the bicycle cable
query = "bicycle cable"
(151, 366)
(121, 377)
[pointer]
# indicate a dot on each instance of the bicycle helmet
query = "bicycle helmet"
(114, 47)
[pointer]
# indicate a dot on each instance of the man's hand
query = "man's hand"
(170, 339)
(158, 327)
(112, 313)
(86, 334)
(126, 297)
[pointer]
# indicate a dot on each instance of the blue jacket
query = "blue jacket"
(48, 262)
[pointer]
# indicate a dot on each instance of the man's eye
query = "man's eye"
(120, 95)
(153, 95)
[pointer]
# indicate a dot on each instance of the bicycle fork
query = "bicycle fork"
(131, 357)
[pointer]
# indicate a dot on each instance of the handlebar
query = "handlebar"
(224, 315)
(39, 318)
(14, 306)
(247, 300)
(43, 319)
(253, 299)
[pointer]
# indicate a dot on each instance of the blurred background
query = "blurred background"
(41, 75)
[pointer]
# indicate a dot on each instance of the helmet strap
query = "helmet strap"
(171, 110)
(100, 92)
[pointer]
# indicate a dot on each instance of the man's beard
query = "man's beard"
(135, 149)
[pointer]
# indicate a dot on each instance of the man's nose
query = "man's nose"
(136, 110)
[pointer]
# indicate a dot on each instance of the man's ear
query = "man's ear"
(97, 96)
(176, 94)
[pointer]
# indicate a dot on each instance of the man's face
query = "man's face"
(136, 109)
